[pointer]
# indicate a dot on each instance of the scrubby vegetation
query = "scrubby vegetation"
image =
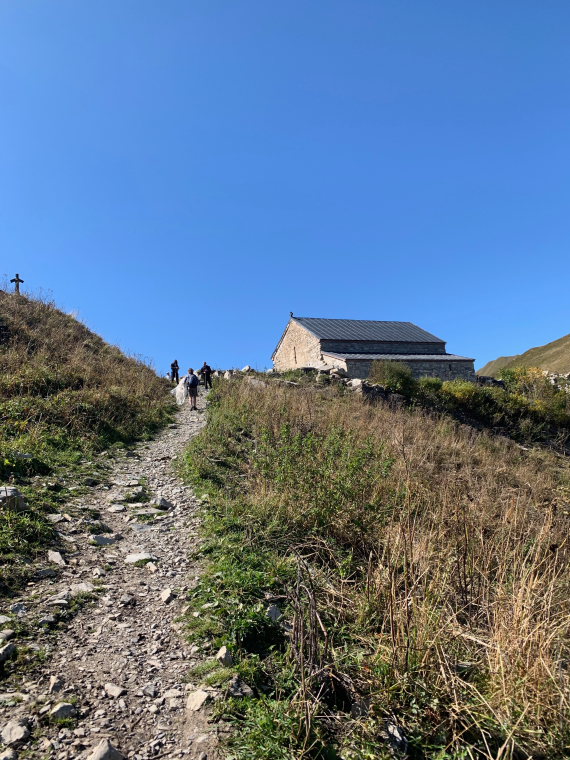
(528, 407)
(421, 568)
(64, 395)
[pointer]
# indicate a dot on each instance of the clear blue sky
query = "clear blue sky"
(184, 173)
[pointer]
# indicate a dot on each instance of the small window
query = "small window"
(295, 354)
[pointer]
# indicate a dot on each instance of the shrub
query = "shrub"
(396, 376)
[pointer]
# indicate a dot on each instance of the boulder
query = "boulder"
(63, 711)
(15, 732)
(56, 558)
(247, 368)
(7, 652)
(140, 558)
(224, 657)
(196, 700)
(11, 498)
(161, 503)
(105, 751)
(114, 691)
(238, 688)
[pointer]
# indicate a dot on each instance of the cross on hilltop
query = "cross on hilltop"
(17, 282)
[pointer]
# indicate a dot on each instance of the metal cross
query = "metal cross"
(17, 282)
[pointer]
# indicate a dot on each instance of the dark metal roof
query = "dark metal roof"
(401, 357)
(366, 329)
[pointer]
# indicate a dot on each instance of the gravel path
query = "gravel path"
(121, 663)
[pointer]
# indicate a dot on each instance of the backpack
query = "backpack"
(193, 381)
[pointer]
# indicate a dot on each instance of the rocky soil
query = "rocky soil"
(95, 662)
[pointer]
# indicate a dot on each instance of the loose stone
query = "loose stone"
(105, 751)
(140, 557)
(63, 710)
(196, 699)
(224, 657)
(114, 691)
(15, 732)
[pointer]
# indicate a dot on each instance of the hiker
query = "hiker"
(192, 382)
(174, 368)
(206, 374)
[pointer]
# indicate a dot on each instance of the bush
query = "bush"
(396, 376)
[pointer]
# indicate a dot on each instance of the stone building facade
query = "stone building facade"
(352, 345)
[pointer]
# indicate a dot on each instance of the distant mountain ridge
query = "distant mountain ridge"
(554, 357)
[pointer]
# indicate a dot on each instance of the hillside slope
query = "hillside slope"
(554, 357)
(65, 394)
(390, 584)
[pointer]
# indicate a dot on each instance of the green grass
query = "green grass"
(65, 397)
(398, 546)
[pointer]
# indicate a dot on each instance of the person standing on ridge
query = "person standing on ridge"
(192, 382)
(174, 368)
(206, 373)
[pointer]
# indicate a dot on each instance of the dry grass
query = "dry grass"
(64, 395)
(439, 562)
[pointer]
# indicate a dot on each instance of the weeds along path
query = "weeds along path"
(117, 670)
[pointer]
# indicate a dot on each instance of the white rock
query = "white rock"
(247, 368)
(15, 732)
(56, 558)
(105, 751)
(225, 657)
(166, 595)
(5, 619)
(63, 710)
(9, 754)
(151, 567)
(114, 691)
(55, 684)
(6, 635)
(7, 652)
(132, 559)
(196, 699)
(81, 588)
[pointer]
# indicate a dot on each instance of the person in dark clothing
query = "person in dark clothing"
(192, 382)
(206, 374)
(174, 369)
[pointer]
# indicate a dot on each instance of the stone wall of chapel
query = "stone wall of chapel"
(299, 348)
(453, 370)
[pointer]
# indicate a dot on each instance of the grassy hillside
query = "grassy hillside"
(554, 357)
(421, 569)
(64, 395)
(493, 368)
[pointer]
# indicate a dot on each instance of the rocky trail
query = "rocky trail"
(111, 682)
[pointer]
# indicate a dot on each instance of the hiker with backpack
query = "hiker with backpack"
(191, 383)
